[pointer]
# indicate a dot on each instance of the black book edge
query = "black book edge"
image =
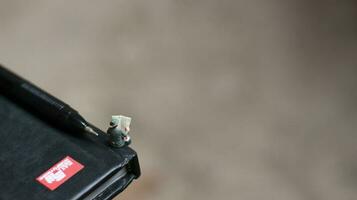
(119, 179)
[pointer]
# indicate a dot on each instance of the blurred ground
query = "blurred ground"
(230, 99)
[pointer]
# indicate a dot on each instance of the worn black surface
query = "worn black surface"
(29, 147)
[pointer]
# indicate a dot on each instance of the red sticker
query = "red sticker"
(60, 173)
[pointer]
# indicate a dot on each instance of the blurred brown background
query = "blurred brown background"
(240, 99)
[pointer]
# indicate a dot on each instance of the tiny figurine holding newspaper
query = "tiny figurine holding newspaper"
(118, 131)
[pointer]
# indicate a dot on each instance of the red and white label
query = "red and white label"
(60, 173)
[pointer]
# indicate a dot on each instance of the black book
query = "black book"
(39, 161)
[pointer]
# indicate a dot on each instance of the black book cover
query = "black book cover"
(29, 147)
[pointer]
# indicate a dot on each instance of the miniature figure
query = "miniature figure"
(119, 131)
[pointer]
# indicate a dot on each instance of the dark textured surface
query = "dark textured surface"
(29, 147)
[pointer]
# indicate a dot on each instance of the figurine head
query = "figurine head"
(122, 122)
(114, 122)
